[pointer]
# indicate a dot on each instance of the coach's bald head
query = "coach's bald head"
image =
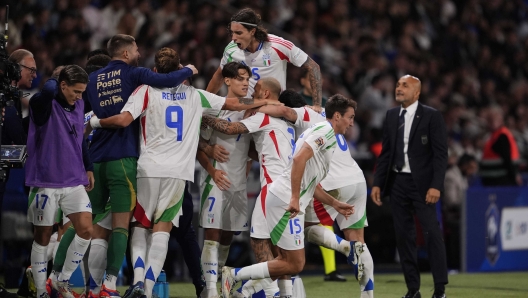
(408, 90)
(267, 88)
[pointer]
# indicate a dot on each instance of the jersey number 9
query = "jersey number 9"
(174, 119)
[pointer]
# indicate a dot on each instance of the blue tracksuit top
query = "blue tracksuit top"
(107, 93)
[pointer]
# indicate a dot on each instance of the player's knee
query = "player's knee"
(42, 235)
(85, 231)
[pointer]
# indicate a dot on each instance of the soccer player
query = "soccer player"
(291, 193)
(115, 151)
(169, 140)
(223, 185)
(266, 55)
(345, 182)
(58, 169)
(273, 139)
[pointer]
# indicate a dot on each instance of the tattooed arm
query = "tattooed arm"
(314, 75)
(223, 126)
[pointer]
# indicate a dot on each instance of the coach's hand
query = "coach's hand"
(375, 194)
(191, 67)
(294, 207)
(343, 208)
(91, 181)
(220, 178)
(220, 153)
(433, 195)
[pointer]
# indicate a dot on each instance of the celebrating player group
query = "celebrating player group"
(148, 127)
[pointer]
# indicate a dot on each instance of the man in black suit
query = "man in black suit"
(411, 170)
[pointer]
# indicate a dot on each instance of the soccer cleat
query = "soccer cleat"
(82, 295)
(44, 295)
(51, 289)
(353, 259)
(135, 291)
(31, 282)
(64, 289)
(237, 294)
(106, 292)
(92, 295)
(228, 281)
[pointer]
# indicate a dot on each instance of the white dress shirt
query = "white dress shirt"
(409, 116)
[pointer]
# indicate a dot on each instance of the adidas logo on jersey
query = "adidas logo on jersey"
(89, 205)
(211, 272)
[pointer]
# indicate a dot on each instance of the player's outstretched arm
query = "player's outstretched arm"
(340, 207)
(117, 121)
(279, 112)
(314, 75)
(241, 104)
(223, 126)
(216, 82)
(297, 171)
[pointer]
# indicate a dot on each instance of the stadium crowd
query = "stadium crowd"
(469, 54)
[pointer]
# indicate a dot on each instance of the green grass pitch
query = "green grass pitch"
(478, 285)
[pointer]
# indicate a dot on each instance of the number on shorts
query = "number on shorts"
(44, 200)
(296, 224)
(177, 123)
(212, 203)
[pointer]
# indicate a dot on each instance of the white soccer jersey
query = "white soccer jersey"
(274, 140)
(170, 126)
(321, 138)
(269, 61)
(236, 145)
(344, 170)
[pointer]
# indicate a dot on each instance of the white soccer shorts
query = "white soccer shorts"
(224, 210)
(286, 233)
(259, 227)
(44, 203)
(355, 194)
(159, 199)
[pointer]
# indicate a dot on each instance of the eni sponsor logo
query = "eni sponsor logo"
(173, 96)
(107, 85)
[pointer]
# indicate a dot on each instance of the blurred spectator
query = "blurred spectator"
(501, 155)
(456, 185)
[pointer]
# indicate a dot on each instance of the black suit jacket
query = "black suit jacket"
(427, 150)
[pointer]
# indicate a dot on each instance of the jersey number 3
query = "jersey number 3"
(174, 119)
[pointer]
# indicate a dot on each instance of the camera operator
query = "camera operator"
(13, 132)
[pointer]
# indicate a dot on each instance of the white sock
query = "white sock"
(110, 281)
(254, 286)
(285, 287)
(322, 236)
(271, 289)
(39, 266)
(257, 271)
(210, 266)
(51, 246)
(74, 256)
(138, 251)
(156, 258)
(97, 262)
(366, 283)
(223, 253)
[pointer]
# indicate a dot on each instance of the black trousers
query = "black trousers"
(405, 202)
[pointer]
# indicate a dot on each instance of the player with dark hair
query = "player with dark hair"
(169, 140)
(291, 193)
(224, 209)
(58, 169)
(267, 55)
